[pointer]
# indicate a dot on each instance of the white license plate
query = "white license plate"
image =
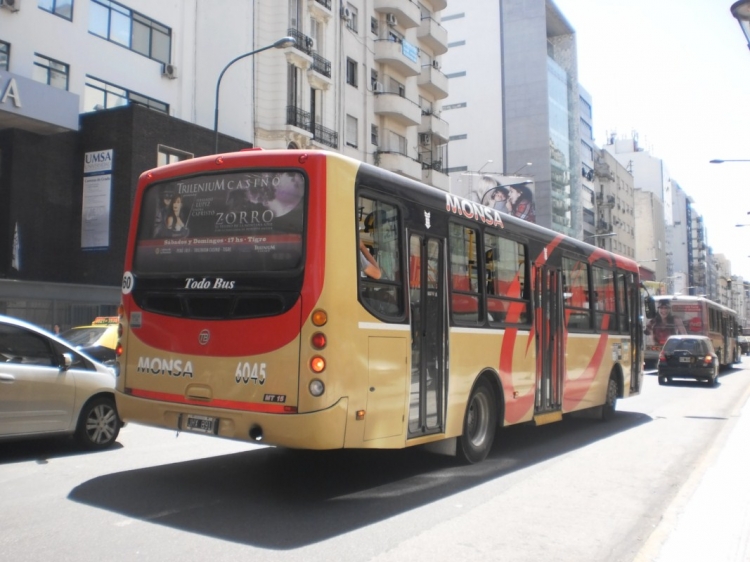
(685, 359)
(201, 424)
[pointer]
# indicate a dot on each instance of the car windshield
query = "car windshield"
(83, 337)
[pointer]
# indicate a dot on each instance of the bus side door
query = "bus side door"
(428, 330)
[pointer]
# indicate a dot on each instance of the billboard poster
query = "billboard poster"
(97, 194)
(516, 199)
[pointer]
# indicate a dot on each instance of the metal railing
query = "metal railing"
(297, 117)
(303, 119)
(302, 42)
(326, 3)
(321, 65)
(325, 136)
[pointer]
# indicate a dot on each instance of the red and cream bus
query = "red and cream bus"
(696, 316)
(307, 300)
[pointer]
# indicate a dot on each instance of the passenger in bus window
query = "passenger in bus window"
(367, 263)
(664, 324)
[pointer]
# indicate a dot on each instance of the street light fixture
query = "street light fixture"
(521, 168)
(719, 161)
(741, 12)
(280, 44)
(607, 235)
(479, 171)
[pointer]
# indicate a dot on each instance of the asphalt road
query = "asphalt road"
(579, 490)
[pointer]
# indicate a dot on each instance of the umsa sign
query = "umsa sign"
(96, 162)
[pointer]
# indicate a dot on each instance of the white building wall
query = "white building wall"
(473, 107)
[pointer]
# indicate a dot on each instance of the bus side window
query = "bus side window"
(379, 257)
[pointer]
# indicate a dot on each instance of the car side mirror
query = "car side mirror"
(67, 361)
(650, 307)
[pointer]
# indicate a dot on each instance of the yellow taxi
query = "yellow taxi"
(98, 340)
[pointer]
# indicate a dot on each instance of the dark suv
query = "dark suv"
(691, 357)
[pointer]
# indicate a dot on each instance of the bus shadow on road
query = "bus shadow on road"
(283, 499)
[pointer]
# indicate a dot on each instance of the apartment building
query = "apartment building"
(513, 107)
(137, 84)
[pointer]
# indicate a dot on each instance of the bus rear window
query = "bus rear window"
(239, 221)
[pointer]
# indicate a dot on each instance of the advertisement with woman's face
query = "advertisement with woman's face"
(241, 221)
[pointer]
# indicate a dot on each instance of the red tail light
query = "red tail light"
(708, 360)
(662, 357)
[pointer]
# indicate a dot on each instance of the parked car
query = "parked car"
(97, 340)
(49, 388)
(691, 357)
(744, 342)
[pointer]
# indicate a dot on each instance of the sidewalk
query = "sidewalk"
(713, 525)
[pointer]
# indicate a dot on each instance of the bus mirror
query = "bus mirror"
(650, 307)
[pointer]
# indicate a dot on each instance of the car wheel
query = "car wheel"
(663, 380)
(480, 422)
(715, 377)
(98, 424)
(610, 402)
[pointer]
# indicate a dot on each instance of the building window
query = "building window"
(130, 29)
(352, 23)
(395, 143)
(102, 95)
(352, 127)
(4, 55)
(374, 25)
(51, 72)
(374, 134)
(351, 72)
(166, 155)
(62, 8)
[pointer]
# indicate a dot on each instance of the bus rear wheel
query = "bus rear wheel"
(480, 423)
(610, 402)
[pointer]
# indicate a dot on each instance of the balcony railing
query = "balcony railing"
(326, 136)
(303, 120)
(321, 65)
(302, 42)
(326, 3)
(297, 117)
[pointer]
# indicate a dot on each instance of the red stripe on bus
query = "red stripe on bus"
(577, 389)
(223, 404)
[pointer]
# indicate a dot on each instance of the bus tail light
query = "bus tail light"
(319, 340)
(319, 318)
(118, 349)
(317, 364)
(317, 388)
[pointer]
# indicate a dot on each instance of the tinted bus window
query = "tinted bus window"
(465, 296)
(239, 222)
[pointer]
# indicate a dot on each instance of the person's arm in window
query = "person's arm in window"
(369, 265)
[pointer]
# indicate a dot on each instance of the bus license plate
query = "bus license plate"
(201, 424)
(685, 359)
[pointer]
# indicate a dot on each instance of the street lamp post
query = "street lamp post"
(741, 12)
(280, 44)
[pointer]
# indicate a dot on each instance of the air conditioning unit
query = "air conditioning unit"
(424, 139)
(346, 13)
(378, 88)
(436, 64)
(312, 44)
(390, 19)
(169, 71)
(12, 5)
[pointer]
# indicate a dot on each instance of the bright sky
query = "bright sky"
(678, 73)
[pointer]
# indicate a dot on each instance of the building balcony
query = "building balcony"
(325, 136)
(319, 74)
(401, 55)
(432, 174)
(321, 8)
(398, 108)
(406, 12)
(433, 35)
(299, 120)
(434, 81)
(301, 54)
(435, 127)
(401, 164)
(438, 5)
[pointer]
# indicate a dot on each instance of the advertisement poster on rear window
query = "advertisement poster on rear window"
(240, 221)
(674, 318)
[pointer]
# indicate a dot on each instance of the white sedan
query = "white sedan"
(48, 388)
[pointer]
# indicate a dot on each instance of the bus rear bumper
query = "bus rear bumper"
(324, 429)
